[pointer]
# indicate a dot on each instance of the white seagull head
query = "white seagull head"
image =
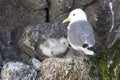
(75, 15)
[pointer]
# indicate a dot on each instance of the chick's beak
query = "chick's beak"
(66, 20)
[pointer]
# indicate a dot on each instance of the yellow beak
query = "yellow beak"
(66, 20)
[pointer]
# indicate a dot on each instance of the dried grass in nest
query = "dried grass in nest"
(65, 69)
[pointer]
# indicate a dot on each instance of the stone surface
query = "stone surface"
(104, 21)
(6, 49)
(107, 22)
(1, 60)
(91, 12)
(82, 3)
(34, 4)
(36, 63)
(13, 14)
(116, 30)
(58, 8)
(18, 71)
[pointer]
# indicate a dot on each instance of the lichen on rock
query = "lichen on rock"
(18, 71)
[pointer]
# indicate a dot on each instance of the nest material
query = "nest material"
(65, 69)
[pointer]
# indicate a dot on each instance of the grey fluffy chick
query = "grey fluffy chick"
(54, 47)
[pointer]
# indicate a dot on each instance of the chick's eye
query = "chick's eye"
(73, 14)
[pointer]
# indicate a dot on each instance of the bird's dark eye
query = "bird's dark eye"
(73, 14)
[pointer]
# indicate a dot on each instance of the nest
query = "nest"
(65, 69)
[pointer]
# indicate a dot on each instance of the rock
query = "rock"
(5, 37)
(36, 63)
(1, 60)
(10, 15)
(34, 11)
(13, 14)
(82, 3)
(91, 14)
(104, 21)
(107, 22)
(115, 35)
(18, 71)
(16, 3)
(34, 5)
(65, 69)
(58, 8)
(116, 22)
(6, 49)
(34, 17)
(29, 37)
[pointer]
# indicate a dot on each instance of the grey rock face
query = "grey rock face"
(34, 4)
(1, 60)
(36, 63)
(104, 21)
(58, 8)
(82, 3)
(107, 22)
(6, 49)
(115, 27)
(17, 71)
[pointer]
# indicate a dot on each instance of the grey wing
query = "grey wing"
(87, 33)
(81, 33)
(75, 34)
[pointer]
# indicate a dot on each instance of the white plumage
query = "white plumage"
(54, 47)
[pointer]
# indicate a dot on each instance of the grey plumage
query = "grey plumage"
(80, 33)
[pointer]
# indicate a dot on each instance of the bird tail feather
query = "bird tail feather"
(87, 52)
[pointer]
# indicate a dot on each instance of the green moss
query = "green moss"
(106, 64)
